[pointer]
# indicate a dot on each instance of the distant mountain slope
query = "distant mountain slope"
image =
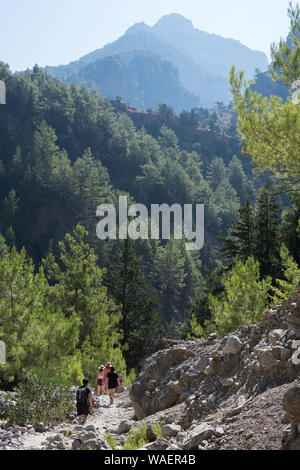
(213, 53)
(265, 85)
(141, 78)
(202, 60)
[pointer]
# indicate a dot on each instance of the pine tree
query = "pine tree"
(285, 287)
(270, 127)
(78, 285)
(244, 299)
(78, 289)
(239, 180)
(35, 332)
(200, 313)
(10, 211)
(267, 231)
(240, 242)
(126, 284)
(170, 279)
(217, 173)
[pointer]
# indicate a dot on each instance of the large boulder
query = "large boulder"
(159, 444)
(197, 435)
(267, 359)
(125, 426)
(233, 345)
(293, 321)
(170, 430)
(291, 403)
(276, 336)
(151, 392)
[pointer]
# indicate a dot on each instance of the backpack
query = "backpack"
(82, 396)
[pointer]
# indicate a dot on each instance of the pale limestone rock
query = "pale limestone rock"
(233, 345)
(170, 430)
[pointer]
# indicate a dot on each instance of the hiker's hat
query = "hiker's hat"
(108, 365)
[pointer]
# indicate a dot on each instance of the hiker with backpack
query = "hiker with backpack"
(84, 402)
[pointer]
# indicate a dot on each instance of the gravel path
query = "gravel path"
(104, 418)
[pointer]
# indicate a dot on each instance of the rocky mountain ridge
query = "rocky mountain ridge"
(201, 60)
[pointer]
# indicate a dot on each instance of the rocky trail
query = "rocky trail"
(104, 419)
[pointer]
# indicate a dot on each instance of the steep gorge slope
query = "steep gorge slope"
(227, 393)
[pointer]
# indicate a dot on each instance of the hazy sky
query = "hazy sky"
(53, 32)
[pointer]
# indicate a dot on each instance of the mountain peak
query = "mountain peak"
(175, 21)
(138, 27)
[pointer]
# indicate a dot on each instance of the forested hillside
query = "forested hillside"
(64, 151)
(141, 78)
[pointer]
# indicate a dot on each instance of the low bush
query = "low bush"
(136, 439)
(41, 398)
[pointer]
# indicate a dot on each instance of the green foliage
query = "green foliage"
(125, 283)
(199, 315)
(269, 126)
(137, 438)
(74, 369)
(244, 299)
(195, 330)
(240, 242)
(69, 151)
(291, 273)
(129, 378)
(112, 441)
(42, 398)
(64, 321)
(36, 332)
(256, 232)
(79, 290)
(156, 428)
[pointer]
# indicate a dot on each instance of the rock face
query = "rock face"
(291, 404)
(153, 392)
(212, 382)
